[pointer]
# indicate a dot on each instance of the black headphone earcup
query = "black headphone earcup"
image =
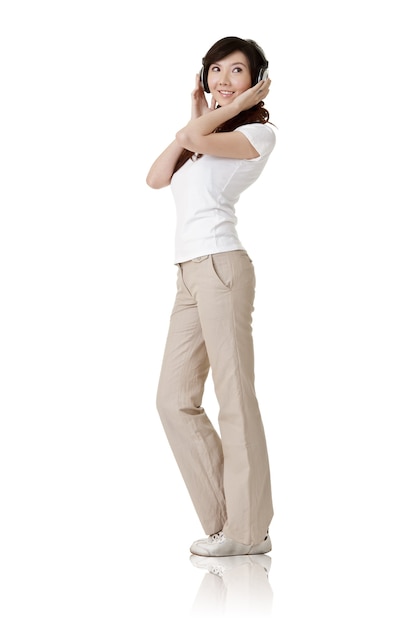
(203, 82)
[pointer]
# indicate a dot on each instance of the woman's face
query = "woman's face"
(229, 77)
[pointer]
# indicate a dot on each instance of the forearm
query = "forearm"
(205, 125)
(161, 171)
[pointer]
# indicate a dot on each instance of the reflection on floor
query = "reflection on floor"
(234, 585)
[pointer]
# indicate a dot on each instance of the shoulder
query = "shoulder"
(261, 136)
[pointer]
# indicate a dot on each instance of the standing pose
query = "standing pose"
(212, 160)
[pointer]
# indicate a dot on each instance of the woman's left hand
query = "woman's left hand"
(253, 96)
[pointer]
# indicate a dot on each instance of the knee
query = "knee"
(175, 406)
(165, 404)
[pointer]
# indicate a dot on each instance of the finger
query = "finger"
(263, 86)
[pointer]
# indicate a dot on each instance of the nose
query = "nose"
(224, 78)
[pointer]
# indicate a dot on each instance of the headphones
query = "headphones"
(263, 71)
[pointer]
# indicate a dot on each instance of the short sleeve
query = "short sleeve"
(261, 136)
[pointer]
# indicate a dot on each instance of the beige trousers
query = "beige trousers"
(227, 476)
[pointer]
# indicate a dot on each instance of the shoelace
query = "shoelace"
(217, 537)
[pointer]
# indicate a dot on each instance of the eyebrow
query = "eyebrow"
(237, 63)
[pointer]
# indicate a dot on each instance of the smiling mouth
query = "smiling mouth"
(226, 93)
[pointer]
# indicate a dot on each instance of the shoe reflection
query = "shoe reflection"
(233, 585)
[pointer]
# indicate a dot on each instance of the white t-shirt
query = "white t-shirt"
(205, 193)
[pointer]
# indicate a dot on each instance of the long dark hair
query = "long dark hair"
(257, 60)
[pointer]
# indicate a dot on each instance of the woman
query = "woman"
(217, 155)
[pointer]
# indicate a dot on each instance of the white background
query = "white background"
(95, 523)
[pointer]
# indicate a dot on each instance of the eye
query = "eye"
(215, 68)
(237, 69)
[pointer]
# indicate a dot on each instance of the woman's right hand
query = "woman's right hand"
(199, 104)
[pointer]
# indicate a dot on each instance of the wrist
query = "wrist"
(228, 111)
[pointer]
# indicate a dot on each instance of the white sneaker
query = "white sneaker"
(219, 545)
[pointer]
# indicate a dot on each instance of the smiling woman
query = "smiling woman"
(229, 77)
(229, 81)
(220, 152)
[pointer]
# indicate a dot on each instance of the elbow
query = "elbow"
(156, 182)
(184, 139)
(180, 138)
(151, 182)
